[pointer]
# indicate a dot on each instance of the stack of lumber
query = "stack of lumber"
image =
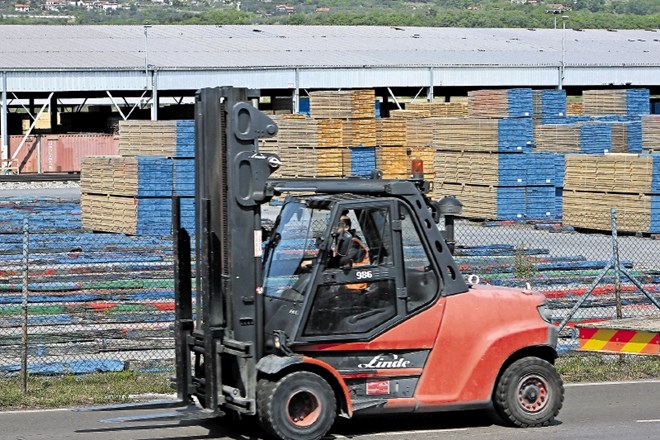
(480, 168)
(348, 104)
(157, 138)
(391, 131)
(591, 138)
(511, 103)
(313, 162)
(651, 133)
(395, 162)
(616, 102)
(485, 202)
(409, 114)
(525, 180)
(404, 132)
(574, 109)
(362, 161)
(132, 193)
(440, 109)
(483, 135)
(302, 132)
(549, 104)
(358, 132)
(133, 215)
(626, 137)
(628, 182)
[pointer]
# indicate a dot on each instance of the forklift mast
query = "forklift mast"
(231, 175)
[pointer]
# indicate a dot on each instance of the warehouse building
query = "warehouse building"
(86, 78)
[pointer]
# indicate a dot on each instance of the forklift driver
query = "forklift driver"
(347, 249)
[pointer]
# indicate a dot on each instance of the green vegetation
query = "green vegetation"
(87, 390)
(599, 368)
(106, 388)
(584, 14)
(523, 265)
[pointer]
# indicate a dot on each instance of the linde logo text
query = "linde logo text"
(386, 361)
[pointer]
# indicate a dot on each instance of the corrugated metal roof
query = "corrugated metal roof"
(25, 47)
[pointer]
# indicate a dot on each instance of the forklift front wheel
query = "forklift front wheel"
(299, 405)
(529, 393)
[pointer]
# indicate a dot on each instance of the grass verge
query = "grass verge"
(84, 390)
(106, 388)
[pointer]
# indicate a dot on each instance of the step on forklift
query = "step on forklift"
(350, 304)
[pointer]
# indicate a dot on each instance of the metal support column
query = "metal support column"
(154, 95)
(296, 92)
(3, 122)
(52, 107)
(429, 94)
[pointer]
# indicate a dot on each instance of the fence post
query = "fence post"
(24, 347)
(617, 265)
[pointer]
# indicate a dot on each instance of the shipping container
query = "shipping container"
(59, 153)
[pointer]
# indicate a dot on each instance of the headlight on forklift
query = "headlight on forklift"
(277, 343)
(545, 313)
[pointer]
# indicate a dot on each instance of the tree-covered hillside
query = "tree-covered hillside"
(585, 14)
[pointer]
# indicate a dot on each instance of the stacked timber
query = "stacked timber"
(132, 193)
(629, 183)
(626, 137)
(395, 162)
(157, 138)
(486, 202)
(483, 135)
(404, 132)
(616, 102)
(409, 114)
(359, 132)
(302, 132)
(439, 109)
(574, 109)
(362, 161)
(651, 133)
(313, 162)
(517, 185)
(511, 103)
(549, 103)
(581, 137)
(348, 104)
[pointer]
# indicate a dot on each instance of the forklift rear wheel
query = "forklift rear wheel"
(529, 393)
(299, 405)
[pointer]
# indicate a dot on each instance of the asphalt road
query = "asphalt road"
(627, 411)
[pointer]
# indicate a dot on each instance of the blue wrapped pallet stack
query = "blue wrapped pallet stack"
(363, 160)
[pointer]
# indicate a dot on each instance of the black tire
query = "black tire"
(301, 405)
(529, 393)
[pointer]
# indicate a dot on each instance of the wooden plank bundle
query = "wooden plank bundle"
(404, 132)
(485, 202)
(480, 168)
(343, 104)
(133, 215)
(295, 133)
(626, 137)
(549, 103)
(613, 173)
(359, 132)
(616, 102)
(440, 109)
(409, 114)
(483, 135)
(651, 133)
(313, 162)
(395, 162)
(511, 103)
(157, 138)
(583, 137)
(591, 210)
(574, 109)
(628, 182)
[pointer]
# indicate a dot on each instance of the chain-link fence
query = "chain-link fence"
(73, 301)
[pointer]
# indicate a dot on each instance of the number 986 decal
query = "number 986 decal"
(364, 274)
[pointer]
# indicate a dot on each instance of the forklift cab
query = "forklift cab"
(312, 298)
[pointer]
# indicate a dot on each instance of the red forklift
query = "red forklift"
(286, 326)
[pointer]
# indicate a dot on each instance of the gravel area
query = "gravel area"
(65, 190)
